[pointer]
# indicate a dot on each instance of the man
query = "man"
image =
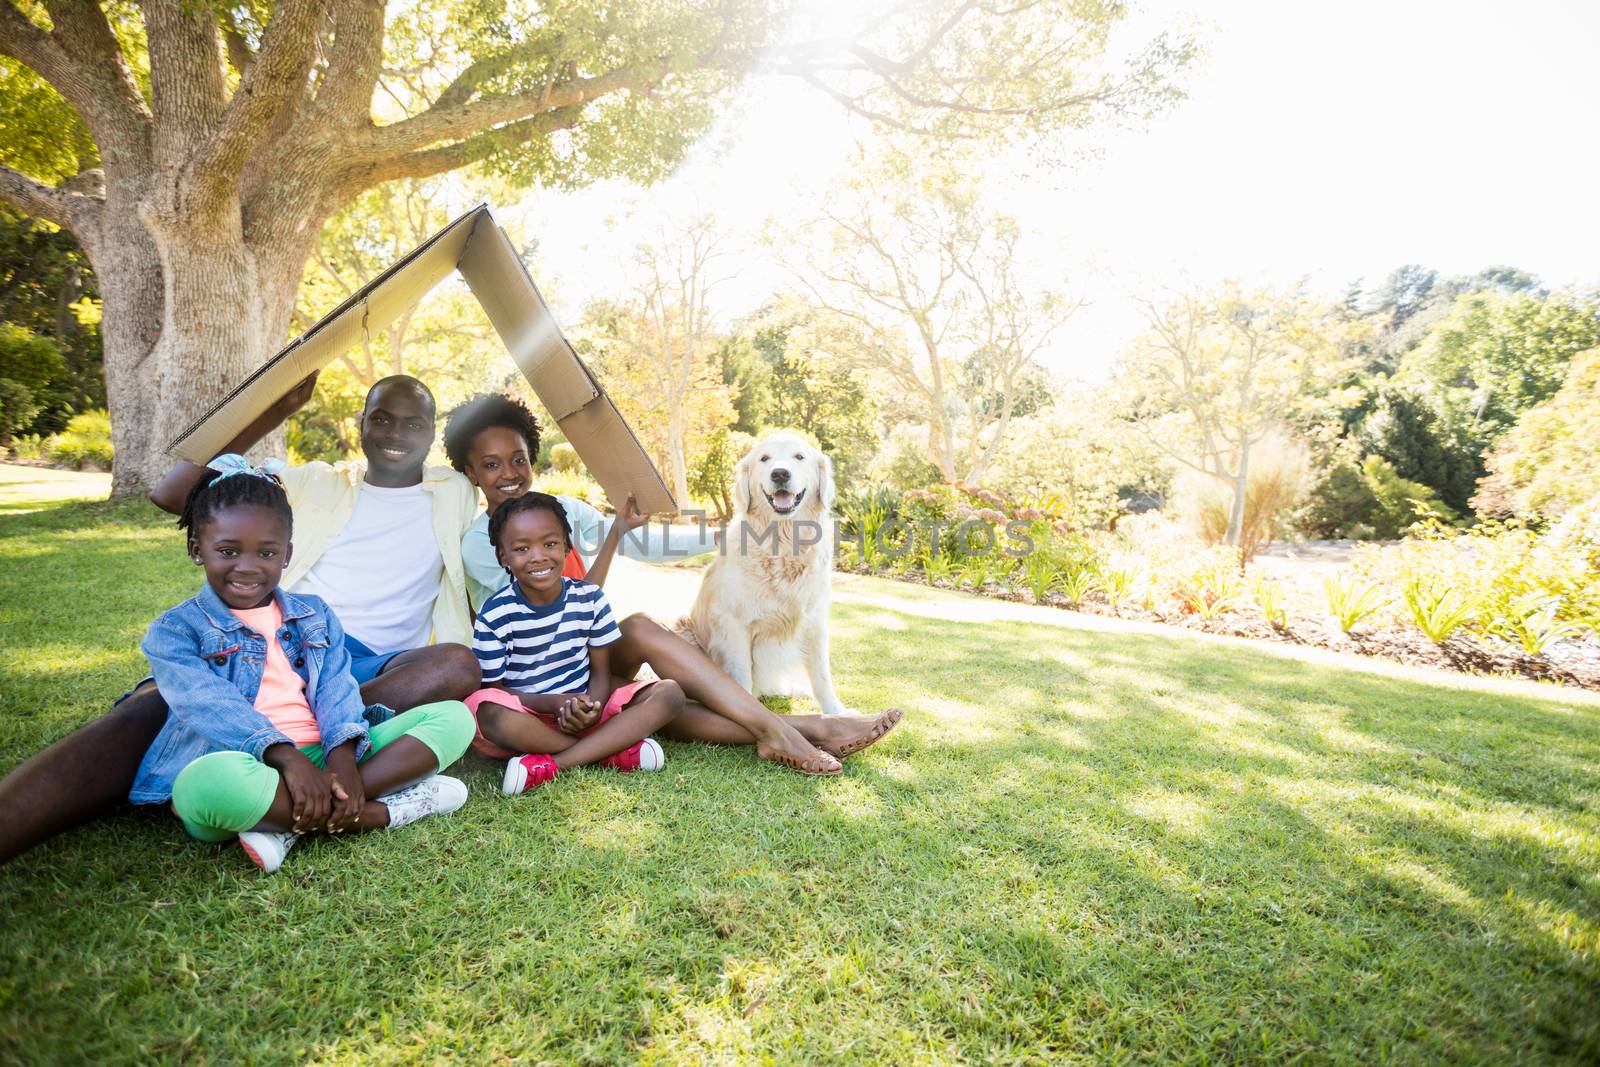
(379, 539)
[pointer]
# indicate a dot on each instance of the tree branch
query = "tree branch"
(354, 64)
(240, 54)
(451, 157)
(62, 205)
(186, 83)
(276, 76)
(437, 124)
(82, 61)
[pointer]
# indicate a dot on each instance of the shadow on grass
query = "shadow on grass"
(1078, 845)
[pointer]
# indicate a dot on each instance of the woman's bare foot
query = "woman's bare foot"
(799, 754)
(847, 736)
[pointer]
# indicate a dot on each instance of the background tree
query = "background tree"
(1216, 374)
(1407, 431)
(790, 367)
(209, 144)
(932, 284)
(368, 235)
(1495, 356)
(47, 289)
(1094, 466)
(657, 347)
(1547, 463)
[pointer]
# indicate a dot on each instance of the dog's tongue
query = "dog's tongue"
(783, 499)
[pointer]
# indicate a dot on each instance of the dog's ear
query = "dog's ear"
(827, 492)
(741, 484)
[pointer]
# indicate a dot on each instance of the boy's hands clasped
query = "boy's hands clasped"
(578, 714)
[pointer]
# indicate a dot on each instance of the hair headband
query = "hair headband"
(230, 463)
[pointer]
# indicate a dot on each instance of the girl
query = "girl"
(542, 643)
(492, 439)
(266, 737)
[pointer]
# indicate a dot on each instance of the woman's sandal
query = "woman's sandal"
(886, 722)
(822, 765)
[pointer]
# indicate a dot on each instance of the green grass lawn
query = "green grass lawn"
(1078, 847)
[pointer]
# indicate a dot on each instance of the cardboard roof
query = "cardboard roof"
(475, 245)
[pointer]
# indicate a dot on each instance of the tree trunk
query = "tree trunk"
(675, 458)
(1240, 485)
(190, 310)
(129, 272)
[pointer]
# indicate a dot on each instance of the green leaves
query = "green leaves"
(1352, 600)
(1438, 606)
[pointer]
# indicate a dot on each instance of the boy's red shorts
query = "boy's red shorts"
(620, 698)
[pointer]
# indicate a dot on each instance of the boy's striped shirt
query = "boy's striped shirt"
(543, 648)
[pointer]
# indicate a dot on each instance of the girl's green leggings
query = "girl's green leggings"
(226, 793)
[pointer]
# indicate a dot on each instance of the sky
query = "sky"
(1325, 142)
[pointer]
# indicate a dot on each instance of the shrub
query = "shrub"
(1368, 500)
(902, 461)
(937, 566)
(1211, 584)
(86, 440)
(1274, 485)
(33, 376)
(976, 569)
(1352, 600)
(1509, 566)
(1268, 596)
(574, 484)
(710, 477)
(564, 458)
(1077, 583)
(1438, 606)
(1117, 585)
(867, 516)
(1041, 576)
(1545, 464)
(17, 408)
(28, 446)
(1533, 624)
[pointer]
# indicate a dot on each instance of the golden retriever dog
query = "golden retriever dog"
(762, 611)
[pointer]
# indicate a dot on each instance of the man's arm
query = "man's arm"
(172, 491)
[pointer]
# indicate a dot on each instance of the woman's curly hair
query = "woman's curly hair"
(467, 420)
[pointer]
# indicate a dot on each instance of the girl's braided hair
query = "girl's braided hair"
(217, 491)
(534, 501)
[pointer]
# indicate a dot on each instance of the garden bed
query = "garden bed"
(1573, 661)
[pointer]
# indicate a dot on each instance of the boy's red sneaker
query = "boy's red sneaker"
(527, 772)
(645, 756)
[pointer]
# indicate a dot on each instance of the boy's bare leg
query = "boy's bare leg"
(519, 731)
(423, 676)
(646, 641)
(81, 777)
(646, 714)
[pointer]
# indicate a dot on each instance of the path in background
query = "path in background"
(24, 489)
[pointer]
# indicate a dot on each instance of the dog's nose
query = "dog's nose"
(780, 476)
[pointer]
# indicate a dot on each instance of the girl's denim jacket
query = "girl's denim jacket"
(208, 665)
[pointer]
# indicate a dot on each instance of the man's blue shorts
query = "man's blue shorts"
(366, 664)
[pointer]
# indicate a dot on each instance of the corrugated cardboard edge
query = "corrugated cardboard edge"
(475, 244)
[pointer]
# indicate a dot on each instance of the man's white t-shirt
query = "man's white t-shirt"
(382, 572)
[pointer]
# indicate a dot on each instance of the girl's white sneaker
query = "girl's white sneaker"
(437, 795)
(267, 849)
